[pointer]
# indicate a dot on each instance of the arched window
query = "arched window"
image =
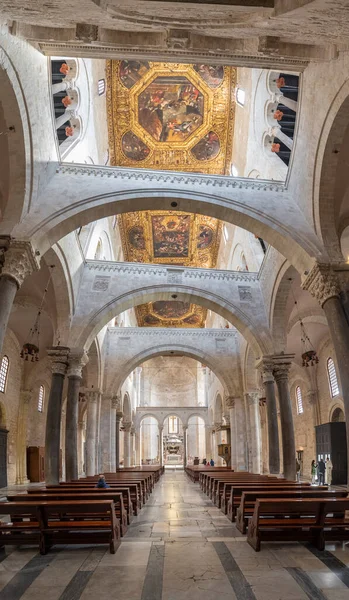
(101, 87)
(332, 378)
(299, 400)
(3, 373)
(99, 250)
(41, 398)
(173, 425)
(240, 96)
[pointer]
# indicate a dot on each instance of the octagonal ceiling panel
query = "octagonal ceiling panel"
(171, 116)
(173, 238)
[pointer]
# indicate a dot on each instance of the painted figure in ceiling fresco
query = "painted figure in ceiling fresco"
(171, 108)
(213, 75)
(205, 237)
(151, 320)
(192, 320)
(131, 71)
(133, 147)
(171, 236)
(136, 237)
(168, 309)
(208, 147)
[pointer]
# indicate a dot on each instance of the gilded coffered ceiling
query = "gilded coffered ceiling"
(171, 116)
(174, 238)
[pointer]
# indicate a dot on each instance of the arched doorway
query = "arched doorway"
(338, 416)
(173, 442)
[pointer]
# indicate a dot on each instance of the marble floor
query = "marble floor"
(180, 547)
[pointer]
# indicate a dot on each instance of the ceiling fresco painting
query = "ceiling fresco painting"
(172, 238)
(171, 116)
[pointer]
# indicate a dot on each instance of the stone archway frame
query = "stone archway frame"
(226, 379)
(327, 161)
(183, 413)
(19, 140)
(81, 194)
(256, 333)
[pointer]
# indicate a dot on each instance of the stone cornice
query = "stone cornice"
(186, 272)
(187, 179)
(127, 332)
(156, 53)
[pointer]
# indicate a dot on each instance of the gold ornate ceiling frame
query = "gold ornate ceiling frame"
(205, 257)
(218, 117)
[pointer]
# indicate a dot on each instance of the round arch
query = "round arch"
(221, 198)
(278, 305)
(218, 409)
(255, 334)
(169, 350)
(15, 147)
(331, 182)
(126, 408)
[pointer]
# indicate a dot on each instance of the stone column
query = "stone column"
(161, 450)
(77, 360)
(66, 116)
(91, 432)
(292, 104)
(17, 261)
(118, 417)
(185, 429)
(281, 369)
(253, 406)
(322, 282)
(241, 436)
(276, 131)
(230, 404)
(138, 445)
(127, 443)
(114, 405)
(22, 426)
(266, 368)
(59, 363)
(208, 441)
(61, 86)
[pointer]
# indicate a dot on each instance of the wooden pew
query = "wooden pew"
(20, 530)
(248, 500)
(193, 472)
(100, 527)
(116, 497)
(307, 519)
(50, 525)
(134, 487)
(237, 490)
(143, 492)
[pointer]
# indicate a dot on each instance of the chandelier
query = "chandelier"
(30, 350)
(308, 354)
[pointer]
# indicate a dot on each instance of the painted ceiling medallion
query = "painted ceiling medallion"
(171, 116)
(173, 238)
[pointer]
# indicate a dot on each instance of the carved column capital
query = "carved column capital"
(253, 398)
(230, 402)
(281, 371)
(118, 415)
(311, 397)
(116, 402)
(76, 362)
(322, 283)
(92, 396)
(265, 365)
(127, 427)
(17, 259)
(59, 359)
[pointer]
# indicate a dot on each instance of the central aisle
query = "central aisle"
(180, 547)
